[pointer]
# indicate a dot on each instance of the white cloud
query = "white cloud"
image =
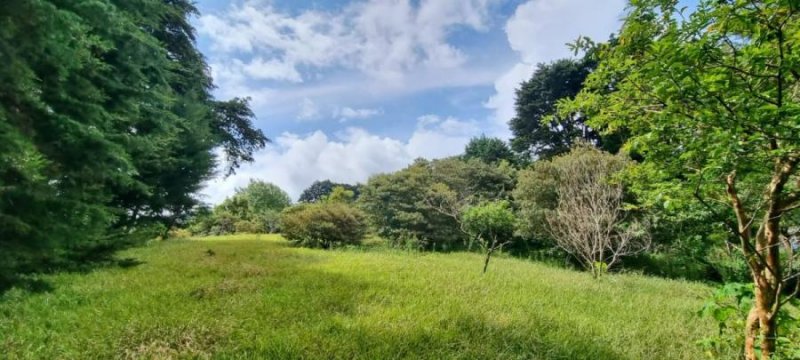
(275, 99)
(271, 70)
(381, 38)
(437, 137)
(347, 113)
(308, 110)
(505, 96)
(539, 31)
(293, 162)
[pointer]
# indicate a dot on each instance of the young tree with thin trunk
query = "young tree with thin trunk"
(712, 101)
(492, 224)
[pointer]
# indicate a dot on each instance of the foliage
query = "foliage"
(324, 225)
(490, 150)
(319, 190)
(107, 125)
(424, 201)
(254, 208)
(689, 239)
(491, 224)
(340, 194)
(535, 197)
(263, 199)
(710, 99)
(538, 130)
(729, 307)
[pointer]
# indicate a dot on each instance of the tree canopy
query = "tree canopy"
(489, 149)
(536, 131)
(319, 190)
(423, 203)
(107, 124)
(711, 102)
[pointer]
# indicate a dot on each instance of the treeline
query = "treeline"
(107, 127)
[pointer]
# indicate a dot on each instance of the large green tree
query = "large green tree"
(106, 124)
(425, 201)
(537, 132)
(489, 149)
(711, 101)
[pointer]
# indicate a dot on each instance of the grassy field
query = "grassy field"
(238, 297)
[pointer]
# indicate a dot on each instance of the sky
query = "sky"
(349, 89)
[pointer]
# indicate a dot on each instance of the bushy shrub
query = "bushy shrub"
(248, 226)
(323, 225)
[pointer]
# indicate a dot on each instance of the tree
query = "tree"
(492, 224)
(396, 209)
(263, 197)
(107, 126)
(589, 221)
(340, 194)
(711, 102)
(324, 225)
(321, 189)
(536, 131)
(253, 208)
(265, 201)
(424, 202)
(489, 150)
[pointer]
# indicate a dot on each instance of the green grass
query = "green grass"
(263, 299)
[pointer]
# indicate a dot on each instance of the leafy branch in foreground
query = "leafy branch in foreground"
(711, 100)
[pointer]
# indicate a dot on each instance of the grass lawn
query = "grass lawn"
(262, 299)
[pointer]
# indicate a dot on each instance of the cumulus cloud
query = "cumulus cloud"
(365, 51)
(539, 31)
(381, 38)
(293, 162)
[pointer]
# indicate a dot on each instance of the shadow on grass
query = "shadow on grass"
(32, 281)
(27, 283)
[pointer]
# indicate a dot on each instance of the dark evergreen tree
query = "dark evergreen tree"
(107, 125)
(536, 101)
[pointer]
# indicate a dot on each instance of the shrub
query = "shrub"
(248, 226)
(323, 225)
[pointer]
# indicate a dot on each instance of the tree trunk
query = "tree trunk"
(768, 281)
(762, 322)
(751, 333)
(763, 258)
(486, 261)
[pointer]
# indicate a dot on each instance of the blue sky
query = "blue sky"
(348, 89)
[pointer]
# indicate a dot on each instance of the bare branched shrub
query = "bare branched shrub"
(590, 221)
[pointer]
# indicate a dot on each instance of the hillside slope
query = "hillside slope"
(238, 297)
